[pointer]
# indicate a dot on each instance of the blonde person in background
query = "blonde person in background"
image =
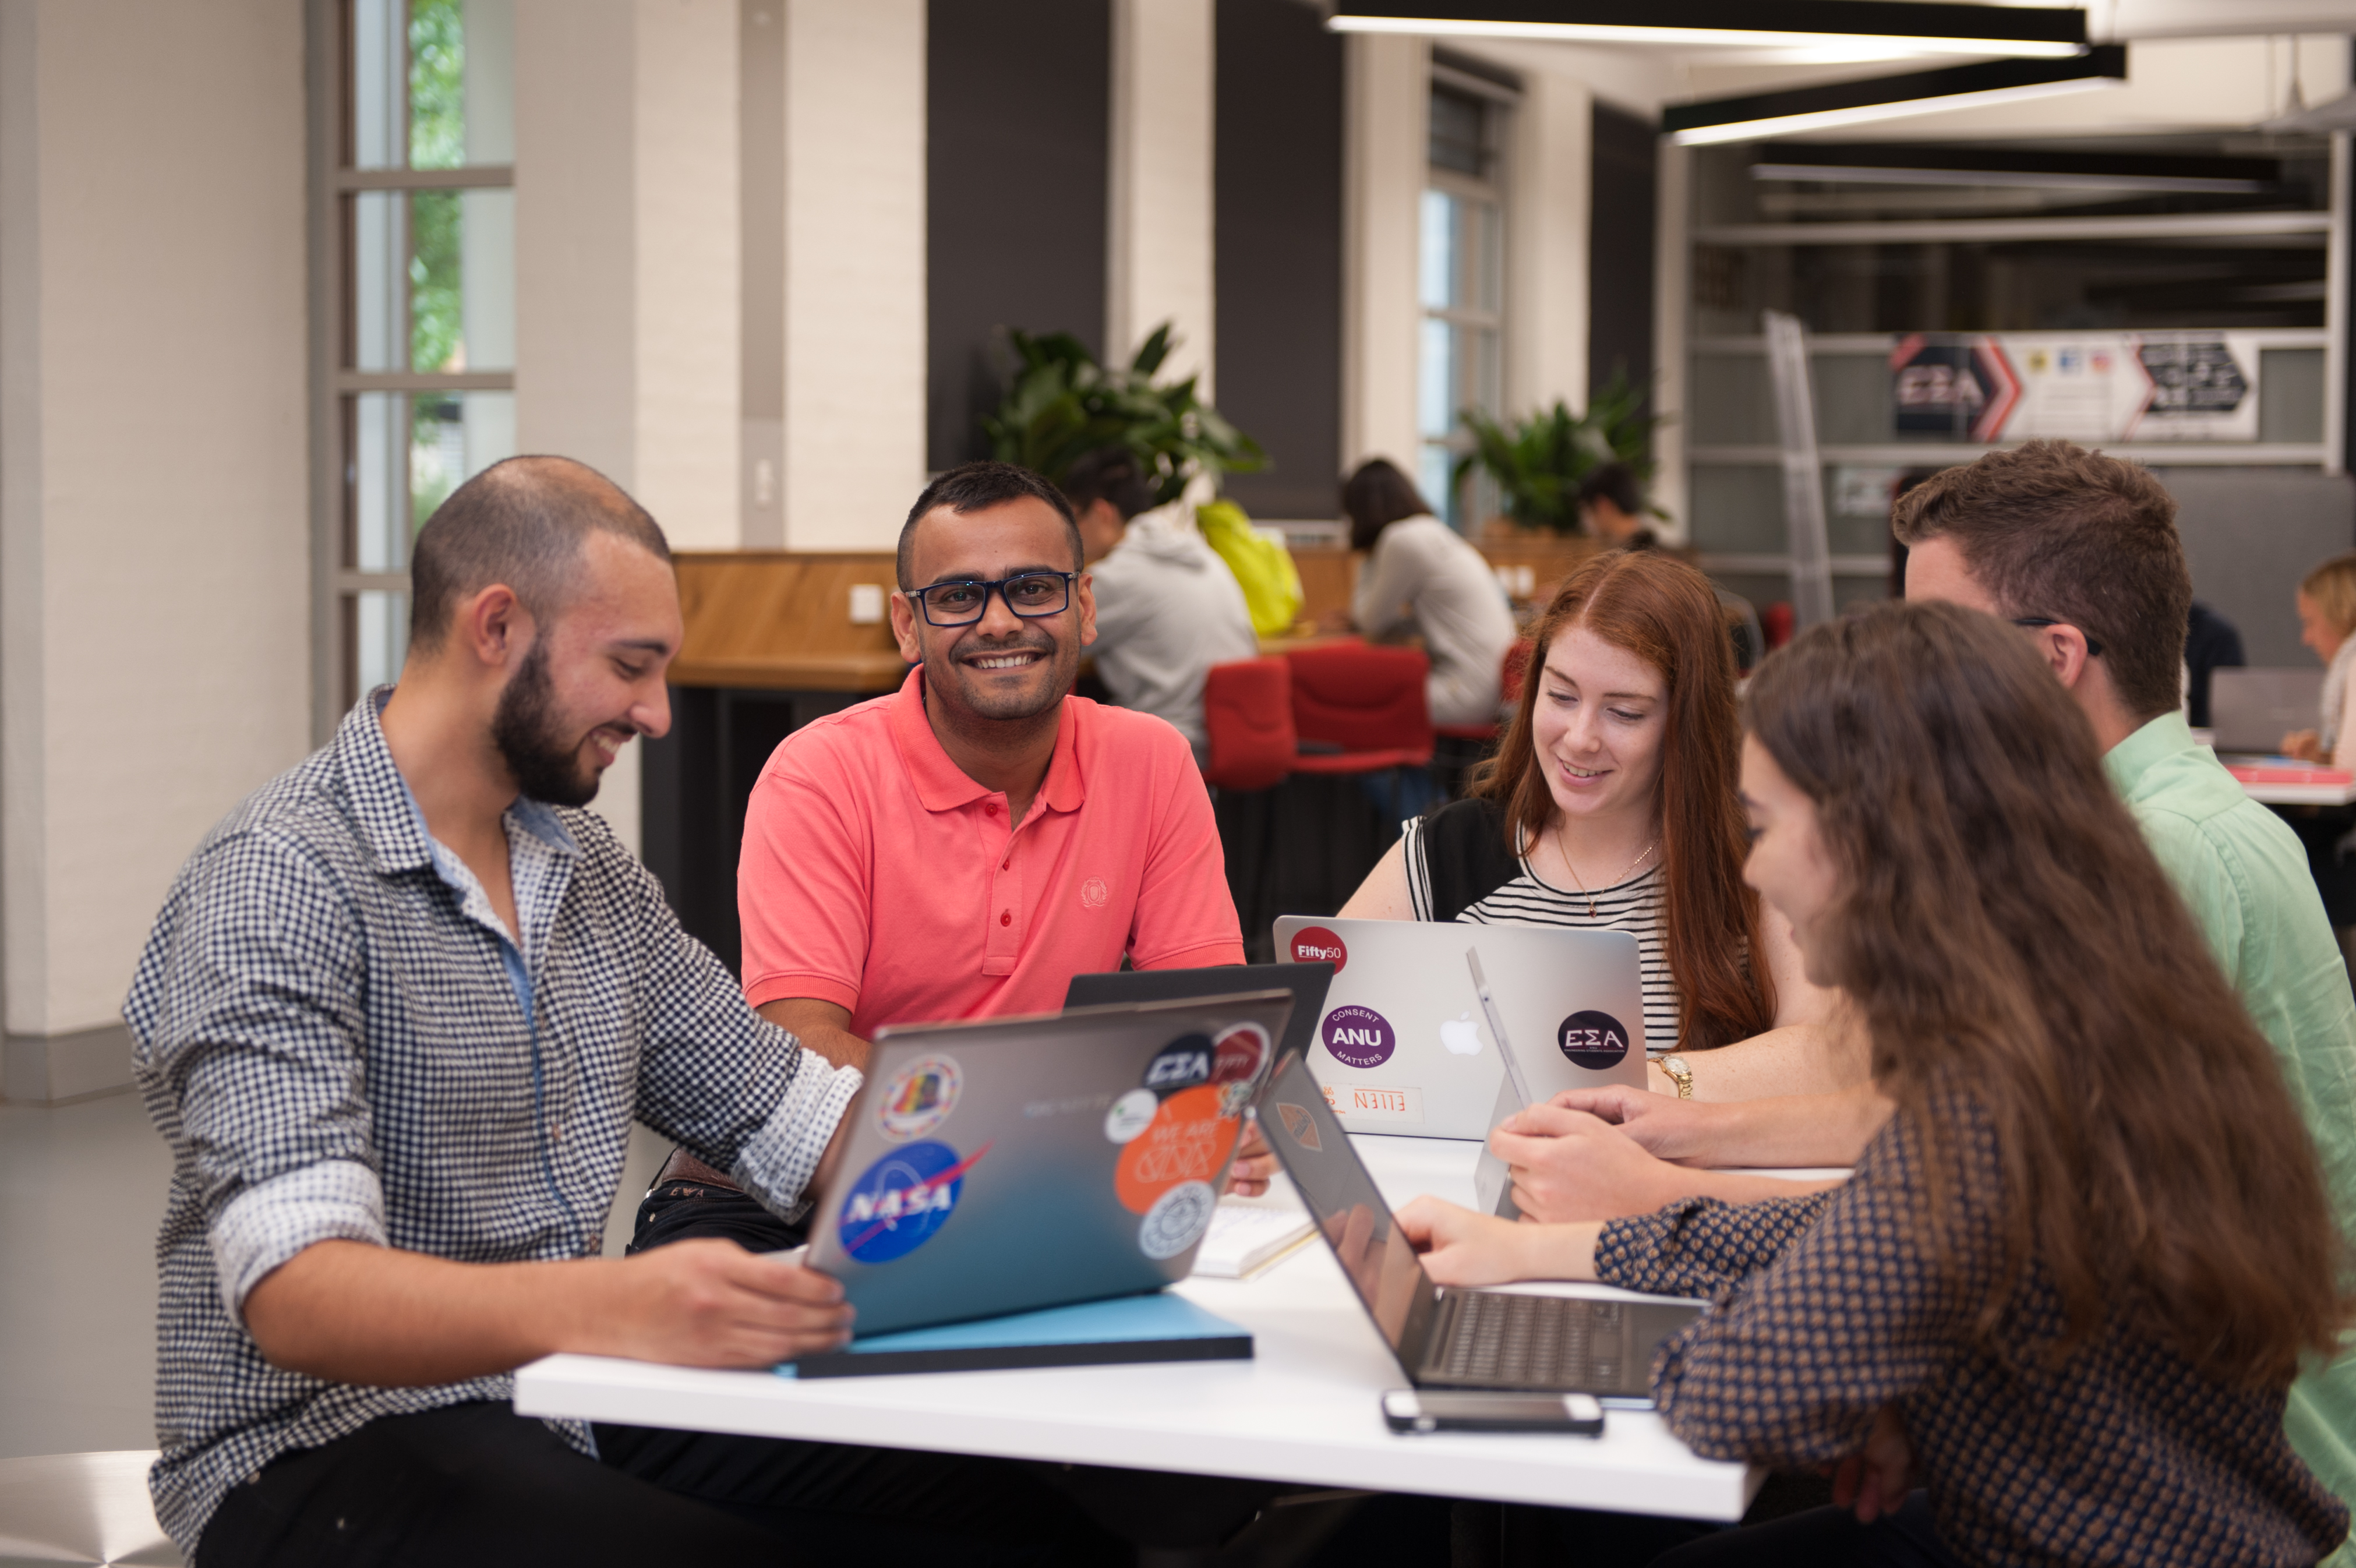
(2327, 615)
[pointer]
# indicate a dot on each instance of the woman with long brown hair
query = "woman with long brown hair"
(1611, 805)
(2068, 1285)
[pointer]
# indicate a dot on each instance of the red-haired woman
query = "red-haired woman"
(1611, 805)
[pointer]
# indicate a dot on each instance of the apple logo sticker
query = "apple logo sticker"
(1460, 1037)
(1593, 1040)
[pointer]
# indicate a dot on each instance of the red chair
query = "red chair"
(1248, 711)
(1512, 669)
(1775, 624)
(1362, 708)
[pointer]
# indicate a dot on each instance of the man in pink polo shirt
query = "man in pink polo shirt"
(963, 847)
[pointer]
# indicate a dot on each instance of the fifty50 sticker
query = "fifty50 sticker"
(1315, 944)
(898, 1202)
(1593, 1040)
(918, 1098)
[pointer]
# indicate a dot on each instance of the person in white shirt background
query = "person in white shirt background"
(1421, 577)
(1167, 607)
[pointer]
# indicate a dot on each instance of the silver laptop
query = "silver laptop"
(2251, 710)
(1023, 1163)
(1404, 1046)
(1444, 1337)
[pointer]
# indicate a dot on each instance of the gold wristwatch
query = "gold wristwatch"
(1679, 1074)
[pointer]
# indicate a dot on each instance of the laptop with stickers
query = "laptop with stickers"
(1404, 1046)
(1015, 1164)
(1443, 1336)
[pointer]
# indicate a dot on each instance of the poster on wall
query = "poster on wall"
(2089, 387)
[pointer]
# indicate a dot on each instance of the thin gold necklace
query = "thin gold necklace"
(1569, 864)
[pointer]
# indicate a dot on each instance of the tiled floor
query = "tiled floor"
(81, 1192)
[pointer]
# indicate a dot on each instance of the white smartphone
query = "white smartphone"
(1420, 1410)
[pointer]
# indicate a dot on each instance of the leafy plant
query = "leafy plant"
(1540, 462)
(1060, 405)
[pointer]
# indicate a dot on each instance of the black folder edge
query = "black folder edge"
(1004, 1358)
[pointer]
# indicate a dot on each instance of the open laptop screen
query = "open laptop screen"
(1343, 1201)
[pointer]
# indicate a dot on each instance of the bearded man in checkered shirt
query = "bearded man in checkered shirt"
(395, 1019)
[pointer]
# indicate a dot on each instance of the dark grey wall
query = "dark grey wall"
(2250, 534)
(1619, 249)
(1017, 104)
(1279, 251)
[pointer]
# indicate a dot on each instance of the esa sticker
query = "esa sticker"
(1181, 1064)
(900, 1200)
(1177, 1220)
(1131, 1114)
(918, 1098)
(1359, 1037)
(1300, 1126)
(1187, 1141)
(1237, 1053)
(1592, 1040)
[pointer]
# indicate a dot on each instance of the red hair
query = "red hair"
(1667, 614)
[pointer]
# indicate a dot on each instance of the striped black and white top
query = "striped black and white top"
(1523, 898)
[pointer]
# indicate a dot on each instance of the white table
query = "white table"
(1304, 1410)
(2301, 794)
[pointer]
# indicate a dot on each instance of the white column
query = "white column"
(689, 255)
(1159, 204)
(1548, 218)
(855, 316)
(626, 265)
(1672, 286)
(155, 638)
(1387, 92)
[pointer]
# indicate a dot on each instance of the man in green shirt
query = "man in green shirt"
(2080, 551)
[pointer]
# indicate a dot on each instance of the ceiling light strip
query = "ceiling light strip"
(1841, 103)
(2036, 31)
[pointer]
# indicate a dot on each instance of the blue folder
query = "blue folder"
(1159, 1326)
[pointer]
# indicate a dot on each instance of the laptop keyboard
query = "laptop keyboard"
(1534, 1341)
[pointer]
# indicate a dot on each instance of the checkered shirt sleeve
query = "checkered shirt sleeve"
(332, 1047)
(1829, 1308)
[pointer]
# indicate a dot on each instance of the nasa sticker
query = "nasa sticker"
(1237, 1053)
(918, 1098)
(1359, 1037)
(1315, 944)
(1177, 1221)
(1181, 1064)
(899, 1202)
(1131, 1114)
(1592, 1040)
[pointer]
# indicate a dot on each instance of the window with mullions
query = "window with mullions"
(1461, 280)
(424, 238)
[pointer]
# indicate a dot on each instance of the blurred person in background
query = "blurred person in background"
(1167, 607)
(1422, 578)
(2326, 614)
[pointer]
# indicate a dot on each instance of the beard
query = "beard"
(545, 764)
(1044, 694)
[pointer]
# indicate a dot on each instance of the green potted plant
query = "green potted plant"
(1060, 405)
(1538, 461)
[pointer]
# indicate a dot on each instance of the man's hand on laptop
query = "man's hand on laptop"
(1255, 1162)
(709, 1302)
(1569, 1166)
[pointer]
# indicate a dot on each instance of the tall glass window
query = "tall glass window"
(424, 381)
(1463, 284)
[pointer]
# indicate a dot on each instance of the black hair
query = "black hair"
(1616, 483)
(520, 522)
(1376, 496)
(1109, 474)
(977, 487)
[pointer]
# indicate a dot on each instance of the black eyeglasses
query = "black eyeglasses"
(2094, 648)
(1030, 594)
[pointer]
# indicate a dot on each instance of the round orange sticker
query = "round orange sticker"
(1187, 1141)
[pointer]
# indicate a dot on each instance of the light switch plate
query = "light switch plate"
(866, 604)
